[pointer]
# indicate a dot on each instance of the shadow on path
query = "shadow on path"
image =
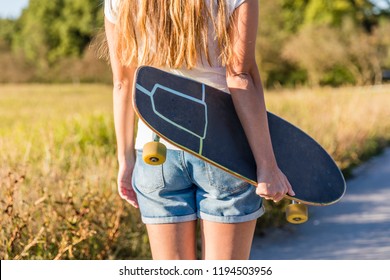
(358, 227)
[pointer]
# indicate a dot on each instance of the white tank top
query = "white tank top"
(214, 75)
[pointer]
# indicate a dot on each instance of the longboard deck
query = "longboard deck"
(202, 120)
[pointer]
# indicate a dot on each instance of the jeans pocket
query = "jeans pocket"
(147, 178)
(224, 182)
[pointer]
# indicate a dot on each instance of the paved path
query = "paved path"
(358, 227)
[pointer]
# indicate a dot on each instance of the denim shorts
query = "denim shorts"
(186, 188)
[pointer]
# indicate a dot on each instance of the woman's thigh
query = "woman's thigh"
(173, 241)
(221, 241)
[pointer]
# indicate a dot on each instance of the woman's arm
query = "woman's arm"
(244, 83)
(124, 118)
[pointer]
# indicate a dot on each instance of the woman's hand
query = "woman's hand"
(125, 187)
(273, 184)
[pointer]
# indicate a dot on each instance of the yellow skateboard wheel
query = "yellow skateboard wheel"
(297, 213)
(154, 153)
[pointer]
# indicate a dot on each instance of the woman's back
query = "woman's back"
(138, 40)
(200, 54)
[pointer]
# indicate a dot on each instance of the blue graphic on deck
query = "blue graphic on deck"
(184, 125)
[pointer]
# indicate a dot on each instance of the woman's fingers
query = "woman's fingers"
(127, 193)
(278, 187)
(278, 197)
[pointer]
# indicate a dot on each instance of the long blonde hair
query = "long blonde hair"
(171, 33)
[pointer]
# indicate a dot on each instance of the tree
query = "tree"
(7, 30)
(278, 20)
(334, 12)
(307, 41)
(52, 29)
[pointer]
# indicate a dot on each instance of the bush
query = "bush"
(335, 57)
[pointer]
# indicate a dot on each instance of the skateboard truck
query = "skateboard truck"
(154, 153)
(296, 213)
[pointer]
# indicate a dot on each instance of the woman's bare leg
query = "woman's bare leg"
(173, 241)
(227, 241)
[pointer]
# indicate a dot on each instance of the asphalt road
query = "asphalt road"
(356, 228)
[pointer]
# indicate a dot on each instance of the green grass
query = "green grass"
(58, 197)
(58, 177)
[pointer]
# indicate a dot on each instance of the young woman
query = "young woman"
(212, 41)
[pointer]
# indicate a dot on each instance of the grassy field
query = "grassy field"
(58, 195)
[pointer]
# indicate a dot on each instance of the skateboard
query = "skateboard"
(202, 120)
